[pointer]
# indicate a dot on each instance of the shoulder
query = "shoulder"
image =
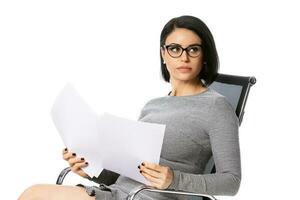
(155, 101)
(220, 102)
(150, 104)
(222, 112)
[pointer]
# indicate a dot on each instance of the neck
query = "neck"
(186, 88)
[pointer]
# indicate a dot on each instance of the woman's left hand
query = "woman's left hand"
(159, 176)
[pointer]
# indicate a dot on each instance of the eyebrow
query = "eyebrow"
(187, 46)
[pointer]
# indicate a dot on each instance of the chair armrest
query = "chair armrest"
(62, 175)
(134, 192)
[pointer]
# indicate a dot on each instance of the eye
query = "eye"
(194, 49)
(174, 49)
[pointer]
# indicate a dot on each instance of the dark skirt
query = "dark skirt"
(121, 189)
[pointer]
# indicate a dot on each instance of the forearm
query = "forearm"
(213, 184)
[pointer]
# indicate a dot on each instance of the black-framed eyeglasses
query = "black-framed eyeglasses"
(176, 50)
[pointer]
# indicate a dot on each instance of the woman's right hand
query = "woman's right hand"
(75, 163)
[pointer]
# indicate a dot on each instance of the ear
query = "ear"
(162, 52)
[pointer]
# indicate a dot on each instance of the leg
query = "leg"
(55, 192)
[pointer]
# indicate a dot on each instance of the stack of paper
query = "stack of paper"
(105, 141)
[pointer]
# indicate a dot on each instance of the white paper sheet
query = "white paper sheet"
(105, 141)
(77, 125)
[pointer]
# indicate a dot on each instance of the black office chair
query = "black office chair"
(236, 89)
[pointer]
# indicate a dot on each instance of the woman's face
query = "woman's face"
(192, 63)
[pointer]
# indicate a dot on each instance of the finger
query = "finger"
(152, 166)
(78, 166)
(150, 178)
(82, 173)
(151, 172)
(75, 160)
(69, 155)
(65, 150)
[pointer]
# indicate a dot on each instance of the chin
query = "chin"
(186, 77)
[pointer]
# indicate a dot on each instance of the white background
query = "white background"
(44, 44)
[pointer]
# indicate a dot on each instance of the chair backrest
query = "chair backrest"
(236, 90)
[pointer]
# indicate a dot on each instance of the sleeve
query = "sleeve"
(140, 116)
(223, 135)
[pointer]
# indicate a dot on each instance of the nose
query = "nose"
(184, 56)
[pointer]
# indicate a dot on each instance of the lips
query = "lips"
(184, 69)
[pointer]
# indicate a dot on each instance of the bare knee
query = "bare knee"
(34, 192)
(54, 192)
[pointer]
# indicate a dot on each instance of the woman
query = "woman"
(199, 123)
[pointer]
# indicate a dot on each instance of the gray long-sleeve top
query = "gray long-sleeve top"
(197, 127)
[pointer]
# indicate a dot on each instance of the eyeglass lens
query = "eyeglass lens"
(177, 50)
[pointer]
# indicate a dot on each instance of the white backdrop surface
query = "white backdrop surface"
(44, 44)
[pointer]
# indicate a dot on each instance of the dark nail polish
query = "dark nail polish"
(66, 149)
(86, 163)
(73, 154)
(139, 167)
(140, 171)
(143, 164)
(81, 158)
